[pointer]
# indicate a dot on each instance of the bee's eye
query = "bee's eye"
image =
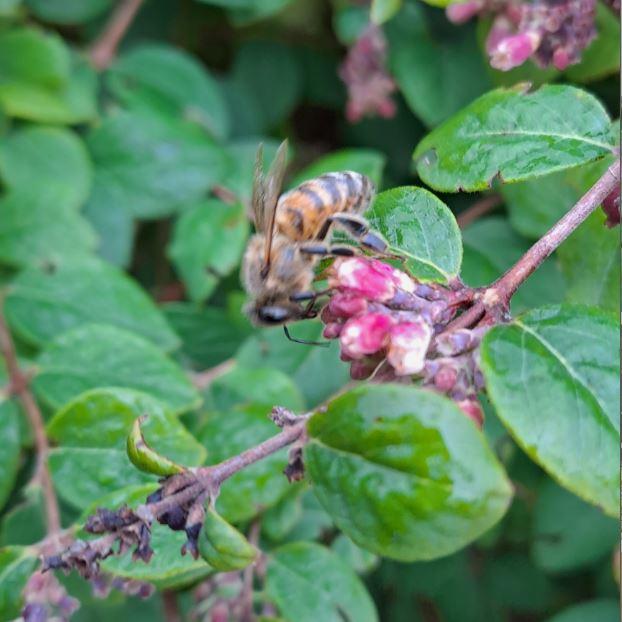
(273, 315)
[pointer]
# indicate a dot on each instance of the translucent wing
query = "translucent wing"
(271, 190)
(259, 191)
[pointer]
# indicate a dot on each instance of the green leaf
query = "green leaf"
(491, 247)
(439, 71)
(257, 487)
(383, 10)
(91, 432)
(207, 245)
(590, 262)
(43, 304)
(222, 546)
(553, 378)
(16, 565)
(167, 80)
(9, 448)
(601, 610)
(59, 157)
(98, 355)
(304, 578)
(152, 165)
(262, 385)
(317, 372)
(567, 533)
(514, 135)
(33, 231)
(144, 458)
(358, 559)
(422, 228)
(365, 161)
(601, 58)
(278, 521)
(40, 80)
(68, 11)
(24, 523)
(209, 335)
(403, 472)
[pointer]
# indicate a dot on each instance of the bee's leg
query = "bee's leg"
(324, 344)
(327, 251)
(358, 229)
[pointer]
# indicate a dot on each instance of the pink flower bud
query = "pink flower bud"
(462, 12)
(561, 59)
(365, 335)
(472, 409)
(347, 305)
(359, 276)
(514, 50)
(408, 346)
(445, 379)
(611, 207)
(332, 330)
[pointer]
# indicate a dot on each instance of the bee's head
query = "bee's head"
(274, 314)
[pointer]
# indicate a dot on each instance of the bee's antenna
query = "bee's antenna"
(324, 344)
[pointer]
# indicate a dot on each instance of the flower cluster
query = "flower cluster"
(550, 32)
(389, 327)
(364, 74)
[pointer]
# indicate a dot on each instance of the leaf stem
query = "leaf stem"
(19, 387)
(478, 209)
(501, 291)
(105, 46)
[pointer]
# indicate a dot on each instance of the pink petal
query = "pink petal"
(365, 335)
(408, 346)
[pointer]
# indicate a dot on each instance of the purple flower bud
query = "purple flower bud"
(611, 207)
(365, 335)
(514, 50)
(462, 12)
(445, 379)
(408, 346)
(472, 409)
(332, 330)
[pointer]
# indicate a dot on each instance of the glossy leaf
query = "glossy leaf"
(438, 71)
(403, 472)
(150, 164)
(167, 80)
(567, 533)
(601, 610)
(420, 227)
(258, 486)
(98, 355)
(590, 263)
(491, 247)
(365, 161)
(514, 135)
(358, 559)
(9, 448)
(144, 458)
(553, 377)
(63, 167)
(68, 11)
(43, 303)
(207, 245)
(16, 565)
(222, 546)
(304, 578)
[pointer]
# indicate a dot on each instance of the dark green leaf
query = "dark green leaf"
(60, 159)
(403, 472)
(603, 610)
(514, 135)
(553, 377)
(16, 565)
(421, 227)
(590, 263)
(207, 245)
(257, 487)
(305, 578)
(365, 161)
(568, 533)
(438, 71)
(167, 80)
(280, 519)
(43, 303)
(98, 355)
(152, 165)
(68, 11)
(24, 523)
(9, 447)
(358, 559)
(491, 248)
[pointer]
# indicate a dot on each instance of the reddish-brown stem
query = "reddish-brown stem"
(19, 387)
(202, 380)
(246, 595)
(478, 209)
(501, 291)
(171, 606)
(105, 46)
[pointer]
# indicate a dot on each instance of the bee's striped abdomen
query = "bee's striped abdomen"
(301, 212)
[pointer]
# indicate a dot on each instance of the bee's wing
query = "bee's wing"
(259, 190)
(271, 192)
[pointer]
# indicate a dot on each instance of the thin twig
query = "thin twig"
(19, 386)
(246, 595)
(105, 46)
(203, 379)
(170, 606)
(480, 208)
(502, 290)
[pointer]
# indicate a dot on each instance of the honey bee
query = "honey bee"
(293, 232)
